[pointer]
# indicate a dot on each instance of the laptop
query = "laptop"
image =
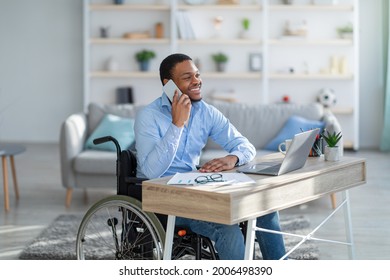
(294, 159)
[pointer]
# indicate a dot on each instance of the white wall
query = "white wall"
(371, 73)
(41, 69)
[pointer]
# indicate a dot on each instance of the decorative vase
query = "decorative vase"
(144, 65)
(112, 65)
(104, 32)
(332, 153)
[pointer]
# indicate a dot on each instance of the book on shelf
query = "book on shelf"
(185, 28)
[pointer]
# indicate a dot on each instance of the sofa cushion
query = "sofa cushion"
(95, 162)
(261, 123)
(293, 125)
(122, 129)
(96, 112)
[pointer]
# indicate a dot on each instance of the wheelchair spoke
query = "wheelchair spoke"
(117, 229)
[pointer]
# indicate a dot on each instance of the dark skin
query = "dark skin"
(187, 78)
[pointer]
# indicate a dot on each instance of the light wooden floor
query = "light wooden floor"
(42, 200)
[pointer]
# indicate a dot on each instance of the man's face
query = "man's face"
(187, 78)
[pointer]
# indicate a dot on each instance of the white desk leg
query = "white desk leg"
(169, 237)
(348, 224)
(250, 239)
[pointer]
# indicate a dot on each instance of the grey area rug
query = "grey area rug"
(58, 241)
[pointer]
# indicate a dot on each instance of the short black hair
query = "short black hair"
(169, 63)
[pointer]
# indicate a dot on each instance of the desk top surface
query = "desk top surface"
(233, 203)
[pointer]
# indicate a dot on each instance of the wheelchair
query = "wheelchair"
(116, 227)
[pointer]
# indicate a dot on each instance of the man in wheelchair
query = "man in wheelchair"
(170, 135)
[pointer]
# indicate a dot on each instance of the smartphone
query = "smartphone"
(169, 89)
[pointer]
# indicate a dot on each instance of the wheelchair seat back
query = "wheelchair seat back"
(129, 184)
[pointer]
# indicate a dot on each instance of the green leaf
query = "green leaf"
(331, 138)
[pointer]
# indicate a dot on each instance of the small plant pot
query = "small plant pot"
(245, 34)
(346, 35)
(221, 66)
(332, 153)
(144, 66)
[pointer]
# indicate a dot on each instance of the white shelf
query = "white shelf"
(232, 75)
(310, 76)
(120, 41)
(123, 74)
(126, 7)
(311, 8)
(219, 7)
(310, 42)
(220, 41)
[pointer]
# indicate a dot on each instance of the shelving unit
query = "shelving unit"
(280, 54)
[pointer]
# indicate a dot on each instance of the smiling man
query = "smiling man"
(170, 136)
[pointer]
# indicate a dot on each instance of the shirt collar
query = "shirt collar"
(165, 100)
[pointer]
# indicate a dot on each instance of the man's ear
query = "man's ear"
(165, 81)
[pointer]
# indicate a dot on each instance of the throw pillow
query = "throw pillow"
(293, 125)
(122, 129)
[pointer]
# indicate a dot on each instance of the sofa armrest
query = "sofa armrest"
(333, 125)
(72, 138)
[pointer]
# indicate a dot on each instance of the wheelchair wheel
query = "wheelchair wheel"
(117, 228)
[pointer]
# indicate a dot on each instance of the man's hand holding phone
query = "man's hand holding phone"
(181, 104)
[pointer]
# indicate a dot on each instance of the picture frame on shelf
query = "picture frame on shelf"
(255, 62)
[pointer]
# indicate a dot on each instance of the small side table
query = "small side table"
(9, 150)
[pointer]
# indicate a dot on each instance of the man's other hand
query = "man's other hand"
(220, 164)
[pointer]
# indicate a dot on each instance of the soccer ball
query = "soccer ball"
(326, 97)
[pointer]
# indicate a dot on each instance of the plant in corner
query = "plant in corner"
(220, 59)
(331, 149)
(143, 57)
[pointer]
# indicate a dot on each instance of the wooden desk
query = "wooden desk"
(236, 203)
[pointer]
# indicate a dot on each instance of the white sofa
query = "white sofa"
(87, 168)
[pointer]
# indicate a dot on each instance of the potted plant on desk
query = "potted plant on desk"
(332, 152)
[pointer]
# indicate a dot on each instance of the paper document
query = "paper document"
(227, 179)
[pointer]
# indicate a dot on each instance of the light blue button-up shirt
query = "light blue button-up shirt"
(164, 149)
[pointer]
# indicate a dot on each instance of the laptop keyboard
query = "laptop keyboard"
(273, 169)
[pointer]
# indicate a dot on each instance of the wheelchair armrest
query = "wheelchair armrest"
(134, 180)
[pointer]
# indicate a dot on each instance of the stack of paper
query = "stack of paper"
(228, 178)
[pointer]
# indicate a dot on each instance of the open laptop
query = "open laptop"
(295, 158)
